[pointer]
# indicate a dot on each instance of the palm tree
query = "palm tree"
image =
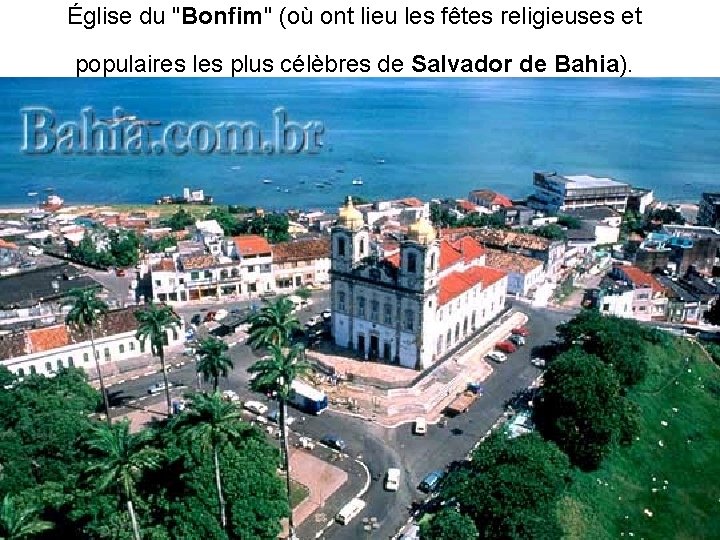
(85, 312)
(276, 373)
(153, 324)
(210, 424)
(18, 523)
(124, 457)
(214, 363)
(274, 324)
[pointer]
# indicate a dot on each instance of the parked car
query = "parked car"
(326, 314)
(420, 426)
(313, 321)
(196, 319)
(476, 387)
(158, 387)
(392, 479)
(431, 482)
(274, 416)
(506, 346)
(230, 395)
(334, 442)
(210, 316)
(497, 356)
(521, 331)
(256, 407)
(517, 339)
(538, 362)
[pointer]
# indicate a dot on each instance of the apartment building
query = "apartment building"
(556, 193)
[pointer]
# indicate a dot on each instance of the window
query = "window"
(361, 306)
(234, 272)
(448, 339)
(86, 357)
(251, 269)
(606, 307)
(142, 346)
(121, 348)
(341, 301)
(252, 287)
(439, 344)
(362, 246)
(432, 261)
(60, 364)
(208, 274)
(157, 282)
(182, 281)
(223, 274)
(48, 367)
(194, 275)
(412, 263)
(21, 373)
(457, 332)
(71, 362)
(107, 354)
(409, 320)
(441, 313)
(472, 320)
(174, 334)
(341, 246)
(374, 310)
(33, 371)
(171, 281)
(132, 345)
(387, 314)
(465, 327)
(265, 269)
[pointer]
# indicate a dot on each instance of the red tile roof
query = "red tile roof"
(466, 249)
(7, 245)
(252, 244)
(492, 197)
(301, 250)
(165, 265)
(455, 284)
(509, 261)
(45, 339)
(412, 202)
(641, 279)
(198, 262)
(466, 206)
(394, 259)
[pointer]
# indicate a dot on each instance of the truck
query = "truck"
(461, 403)
(307, 399)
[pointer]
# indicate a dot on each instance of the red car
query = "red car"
(506, 346)
(521, 331)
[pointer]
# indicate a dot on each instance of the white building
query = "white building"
(524, 274)
(555, 193)
(301, 263)
(211, 234)
(415, 306)
(43, 351)
(404, 211)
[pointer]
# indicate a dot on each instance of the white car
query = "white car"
(420, 426)
(313, 321)
(497, 356)
(158, 387)
(392, 479)
(538, 362)
(256, 407)
(230, 395)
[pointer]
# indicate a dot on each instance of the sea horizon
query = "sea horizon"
(404, 137)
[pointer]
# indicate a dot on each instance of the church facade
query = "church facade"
(413, 307)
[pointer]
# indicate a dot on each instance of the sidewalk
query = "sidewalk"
(432, 394)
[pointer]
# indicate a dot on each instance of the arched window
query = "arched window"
(457, 332)
(439, 344)
(448, 339)
(465, 327)
(341, 246)
(412, 263)
(472, 320)
(432, 262)
(362, 246)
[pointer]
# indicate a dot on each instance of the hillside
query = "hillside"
(671, 469)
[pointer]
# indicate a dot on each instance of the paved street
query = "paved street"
(380, 448)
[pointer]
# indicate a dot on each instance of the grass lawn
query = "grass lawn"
(298, 493)
(164, 210)
(672, 470)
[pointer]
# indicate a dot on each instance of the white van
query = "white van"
(349, 511)
(392, 479)
(420, 426)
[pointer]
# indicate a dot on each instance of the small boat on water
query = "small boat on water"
(357, 181)
(286, 190)
(340, 171)
(278, 188)
(380, 161)
(267, 181)
(319, 185)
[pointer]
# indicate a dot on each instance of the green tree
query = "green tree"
(122, 458)
(551, 231)
(449, 524)
(276, 373)
(712, 316)
(274, 324)
(571, 222)
(211, 423)
(154, 322)
(580, 407)
(441, 216)
(214, 362)
(20, 522)
(225, 219)
(619, 342)
(272, 226)
(666, 216)
(160, 245)
(494, 220)
(124, 248)
(85, 312)
(304, 293)
(179, 220)
(511, 487)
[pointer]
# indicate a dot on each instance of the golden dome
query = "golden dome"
(421, 232)
(349, 216)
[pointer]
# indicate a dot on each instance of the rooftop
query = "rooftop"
(456, 283)
(511, 262)
(676, 290)
(492, 197)
(505, 238)
(302, 250)
(252, 244)
(639, 278)
(31, 288)
(198, 262)
(581, 181)
(596, 213)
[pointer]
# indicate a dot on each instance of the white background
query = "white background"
(675, 39)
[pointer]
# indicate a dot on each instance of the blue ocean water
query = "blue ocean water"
(437, 137)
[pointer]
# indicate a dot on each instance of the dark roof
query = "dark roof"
(676, 290)
(593, 214)
(30, 288)
(586, 232)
